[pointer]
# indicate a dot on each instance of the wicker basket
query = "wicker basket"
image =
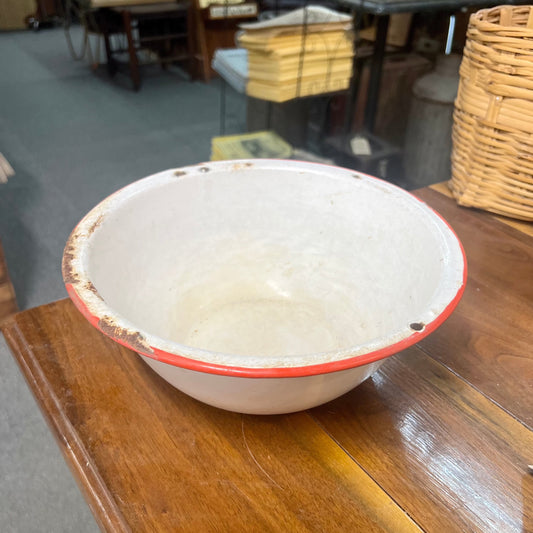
(492, 156)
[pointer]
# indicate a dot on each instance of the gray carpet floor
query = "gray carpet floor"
(73, 136)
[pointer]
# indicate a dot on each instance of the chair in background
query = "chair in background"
(80, 11)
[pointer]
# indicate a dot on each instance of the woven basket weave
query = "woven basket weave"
(492, 156)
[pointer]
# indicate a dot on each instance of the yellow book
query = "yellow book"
(328, 42)
(284, 73)
(303, 66)
(306, 69)
(287, 61)
(280, 31)
(287, 91)
(261, 144)
(216, 155)
(260, 56)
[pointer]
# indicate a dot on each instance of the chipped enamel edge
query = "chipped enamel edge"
(89, 302)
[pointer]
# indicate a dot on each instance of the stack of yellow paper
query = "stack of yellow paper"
(261, 144)
(288, 60)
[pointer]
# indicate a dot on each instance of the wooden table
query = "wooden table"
(438, 440)
(171, 23)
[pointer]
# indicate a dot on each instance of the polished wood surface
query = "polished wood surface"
(439, 439)
(488, 340)
(450, 457)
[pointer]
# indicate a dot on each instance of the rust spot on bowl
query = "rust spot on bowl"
(179, 173)
(204, 169)
(417, 326)
(130, 337)
(90, 287)
(71, 253)
(94, 225)
(240, 166)
(69, 274)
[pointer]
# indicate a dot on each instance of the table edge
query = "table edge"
(104, 509)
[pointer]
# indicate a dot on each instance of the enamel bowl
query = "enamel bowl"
(264, 286)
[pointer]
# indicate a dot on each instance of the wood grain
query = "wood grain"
(450, 457)
(152, 459)
(488, 338)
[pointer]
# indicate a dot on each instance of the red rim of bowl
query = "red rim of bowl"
(188, 363)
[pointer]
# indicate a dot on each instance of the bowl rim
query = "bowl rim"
(87, 300)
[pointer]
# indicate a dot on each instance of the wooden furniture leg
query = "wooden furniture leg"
(202, 42)
(191, 48)
(134, 62)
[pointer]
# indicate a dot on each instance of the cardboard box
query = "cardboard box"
(13, 13)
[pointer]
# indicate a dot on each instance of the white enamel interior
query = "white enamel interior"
(268, 264)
